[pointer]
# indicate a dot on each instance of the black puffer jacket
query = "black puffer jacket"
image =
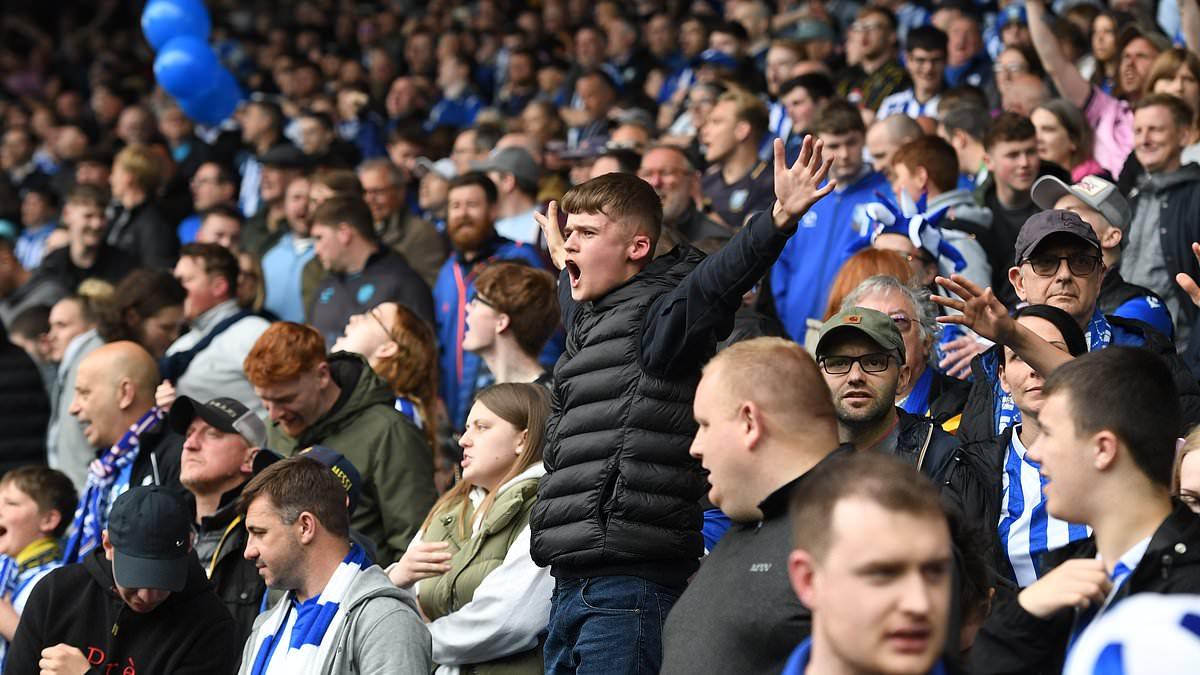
(24, 408)
(621, 494)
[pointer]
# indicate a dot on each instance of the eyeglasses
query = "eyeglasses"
(375, 315)
(1080, 264)
(480, 299)
(870, 363)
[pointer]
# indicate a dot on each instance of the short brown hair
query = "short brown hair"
(623, 198)
(528, 296)
(92, 195)
(1181, 112)
(936, 156)
(283, 352)
(49, 488)
(879, 478)
(299, 484)
(217, 261)
(838, 116)
(750, 109)
(143, 165)
(352, 211)
(1009, 126)
(342, 182)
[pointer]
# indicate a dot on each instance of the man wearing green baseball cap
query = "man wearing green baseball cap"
(861, 355)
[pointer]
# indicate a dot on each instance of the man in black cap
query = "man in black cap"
(139, 603)
(1058, 263)
(222, 438)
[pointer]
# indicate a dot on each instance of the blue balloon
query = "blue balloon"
(166, 19)
(216, 106)
(187, 67)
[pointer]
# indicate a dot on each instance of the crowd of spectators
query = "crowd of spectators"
(725, 336)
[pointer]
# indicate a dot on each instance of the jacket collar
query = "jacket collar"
(776, 505)
(214, 315)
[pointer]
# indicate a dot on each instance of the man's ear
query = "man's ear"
(1111, 239)
(126, 393)
(1105, 448)
(922, 175)
(741, 131)
(503, 321)
(1018, 283)
(802, 570)
(751, 423)
(640, 248)
(1000, 370)
(49, 521)
(108, 547)
(306, 526)
(247, 465)
(987, 161)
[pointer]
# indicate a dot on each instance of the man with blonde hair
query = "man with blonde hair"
(766, 419)
(139, 228)
(737, 182)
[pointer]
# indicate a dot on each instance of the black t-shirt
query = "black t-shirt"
(732, 202)
(1000, 242)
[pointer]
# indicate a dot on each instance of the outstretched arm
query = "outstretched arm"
(1066, 76)
(682, 324)
(984, 314)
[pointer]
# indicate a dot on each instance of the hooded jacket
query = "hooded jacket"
(382, 633)
(190, 633)
(1017, 642)
(391, 454)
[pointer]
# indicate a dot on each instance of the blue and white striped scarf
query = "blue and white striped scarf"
(108, 477)
(18, 575)
(1099, 335)
(311, 640)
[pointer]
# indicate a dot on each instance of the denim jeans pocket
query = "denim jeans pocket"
(613, 594)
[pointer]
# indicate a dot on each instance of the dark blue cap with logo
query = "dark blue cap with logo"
(150, 531)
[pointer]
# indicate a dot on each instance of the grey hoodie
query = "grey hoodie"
(382, 633)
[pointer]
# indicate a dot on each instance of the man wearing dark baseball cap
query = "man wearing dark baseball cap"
(1099, 204)
(140, 599)
(1058, 263)
(861, 355)
(221, 439)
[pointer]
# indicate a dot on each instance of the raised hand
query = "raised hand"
(959, 353)
(1187, 283)
(799, 187)
(981, 311)
(552, 234)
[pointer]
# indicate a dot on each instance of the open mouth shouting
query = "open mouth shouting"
(573, 273)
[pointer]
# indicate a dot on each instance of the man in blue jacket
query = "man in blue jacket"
(470, 224)
(802, 276)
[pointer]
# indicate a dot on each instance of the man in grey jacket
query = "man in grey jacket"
(341, 614)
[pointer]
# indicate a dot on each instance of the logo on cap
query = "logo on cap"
(854, 318)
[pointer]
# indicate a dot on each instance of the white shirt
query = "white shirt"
(522, 227)
(906, 103)
(278, 664)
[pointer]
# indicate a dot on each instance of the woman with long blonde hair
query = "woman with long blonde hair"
(487, 603)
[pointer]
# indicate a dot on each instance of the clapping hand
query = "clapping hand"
(422, 561)
(799, 187)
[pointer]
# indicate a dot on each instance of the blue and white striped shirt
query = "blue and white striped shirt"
(906, 103)
(1026, 529)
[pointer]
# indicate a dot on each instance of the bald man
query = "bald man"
(886, 136)
(765, 420)
(1024, 94)
(114, 402)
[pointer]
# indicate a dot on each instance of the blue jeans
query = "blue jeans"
(610, 625)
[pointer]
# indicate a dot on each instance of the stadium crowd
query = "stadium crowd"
(624, 336)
